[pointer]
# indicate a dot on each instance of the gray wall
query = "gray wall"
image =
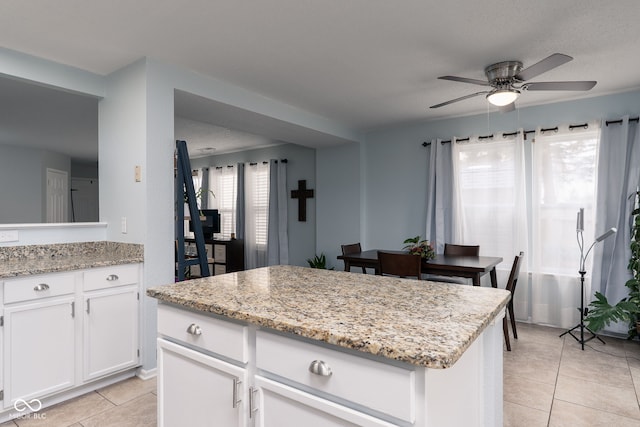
(23, 182)
(392, 183)
(84, 169)
(301, 164)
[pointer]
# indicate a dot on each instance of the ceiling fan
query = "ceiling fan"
(507, 79)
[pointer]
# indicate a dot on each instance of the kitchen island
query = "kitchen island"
(290, 346)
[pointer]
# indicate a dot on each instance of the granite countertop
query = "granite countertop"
(39, 259)
(423, 323)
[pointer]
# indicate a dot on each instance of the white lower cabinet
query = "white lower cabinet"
(39, 352)
(63, 330)
(210, 374)
(195, 389)
(110, 331)
(284, 406)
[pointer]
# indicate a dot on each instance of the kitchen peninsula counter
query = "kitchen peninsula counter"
(414, 353)
(426, 324)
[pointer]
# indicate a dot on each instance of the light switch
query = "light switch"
(138, 173)
(123, 225)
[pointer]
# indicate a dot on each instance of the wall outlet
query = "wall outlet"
(9, 235)
(138, 173)
(123, 225)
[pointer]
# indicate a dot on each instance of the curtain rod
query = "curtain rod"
(253, 164)
(613, 122)
(553, 129)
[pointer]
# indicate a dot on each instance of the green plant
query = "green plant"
(198, 196)
(318, 261)
(601, 312)
(423, 248)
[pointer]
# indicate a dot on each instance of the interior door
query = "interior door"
(57, 195)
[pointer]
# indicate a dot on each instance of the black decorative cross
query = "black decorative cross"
(302, 194)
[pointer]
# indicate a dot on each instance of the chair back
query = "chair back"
(352, 248)
(461, 250)
(400, 264)
(513, 276)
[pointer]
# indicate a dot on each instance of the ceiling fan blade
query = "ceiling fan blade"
(507, 108)
(458, 99)
(466, 80)
(583, 85)
(548, 63)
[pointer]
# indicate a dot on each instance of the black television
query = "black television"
(210, 219)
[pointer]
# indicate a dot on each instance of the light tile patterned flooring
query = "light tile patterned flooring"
(548, 381)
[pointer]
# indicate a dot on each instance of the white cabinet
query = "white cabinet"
(110, 331)
(110, 328)
(198, 390)
(284, 406)
(63, 330)
(39, 336)
(202, 375)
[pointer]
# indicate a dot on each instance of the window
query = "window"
(257, 214)
(507, 206)
(223, 184)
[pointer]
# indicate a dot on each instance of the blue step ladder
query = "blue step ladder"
(184, 185)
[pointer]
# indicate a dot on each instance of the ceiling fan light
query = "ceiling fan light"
(502, 97)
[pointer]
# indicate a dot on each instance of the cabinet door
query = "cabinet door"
(110, 331)
(284, 406)
(39, 349)
(195, 389)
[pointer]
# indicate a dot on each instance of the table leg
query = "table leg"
(494, 279)
(347, 265)
(476, 280)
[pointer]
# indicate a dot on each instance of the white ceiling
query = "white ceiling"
(363, 63)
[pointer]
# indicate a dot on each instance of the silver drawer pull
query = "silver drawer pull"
(194, 329)
(236, 400)
(41, 287)
(319, 367)
(112, 277)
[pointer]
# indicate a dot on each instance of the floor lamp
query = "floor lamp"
(583, 271)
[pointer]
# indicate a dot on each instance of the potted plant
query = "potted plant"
(423, 248)
(601, 313)
(318, 261)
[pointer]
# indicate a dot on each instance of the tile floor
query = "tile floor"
(548, 381)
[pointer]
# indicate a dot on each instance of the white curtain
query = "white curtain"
(439, 194)
(222, 182)
(256, 214)
(278, 238)
(490, 200)
(618, 180)
(563, 181)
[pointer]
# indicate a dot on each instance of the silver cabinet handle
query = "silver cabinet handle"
(252, 401)
(194, 329)
(73, 309)
(236, 401)
(112, 278)
(319, 367)
(41, 287)
(88, 306)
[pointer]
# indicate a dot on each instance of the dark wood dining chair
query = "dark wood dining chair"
(456, 250)
(399, 264)
(353, 248)
(511, 287)
(461, 250)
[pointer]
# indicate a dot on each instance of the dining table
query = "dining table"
(472, 267)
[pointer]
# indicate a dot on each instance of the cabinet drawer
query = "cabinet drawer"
(218, 336)
(372, 384)
(109, 277)
(220, 253)
(40, 286)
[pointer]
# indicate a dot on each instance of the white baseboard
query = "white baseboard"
(147, 374)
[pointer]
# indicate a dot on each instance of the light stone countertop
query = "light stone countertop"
(423, 323)
(28, 260)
